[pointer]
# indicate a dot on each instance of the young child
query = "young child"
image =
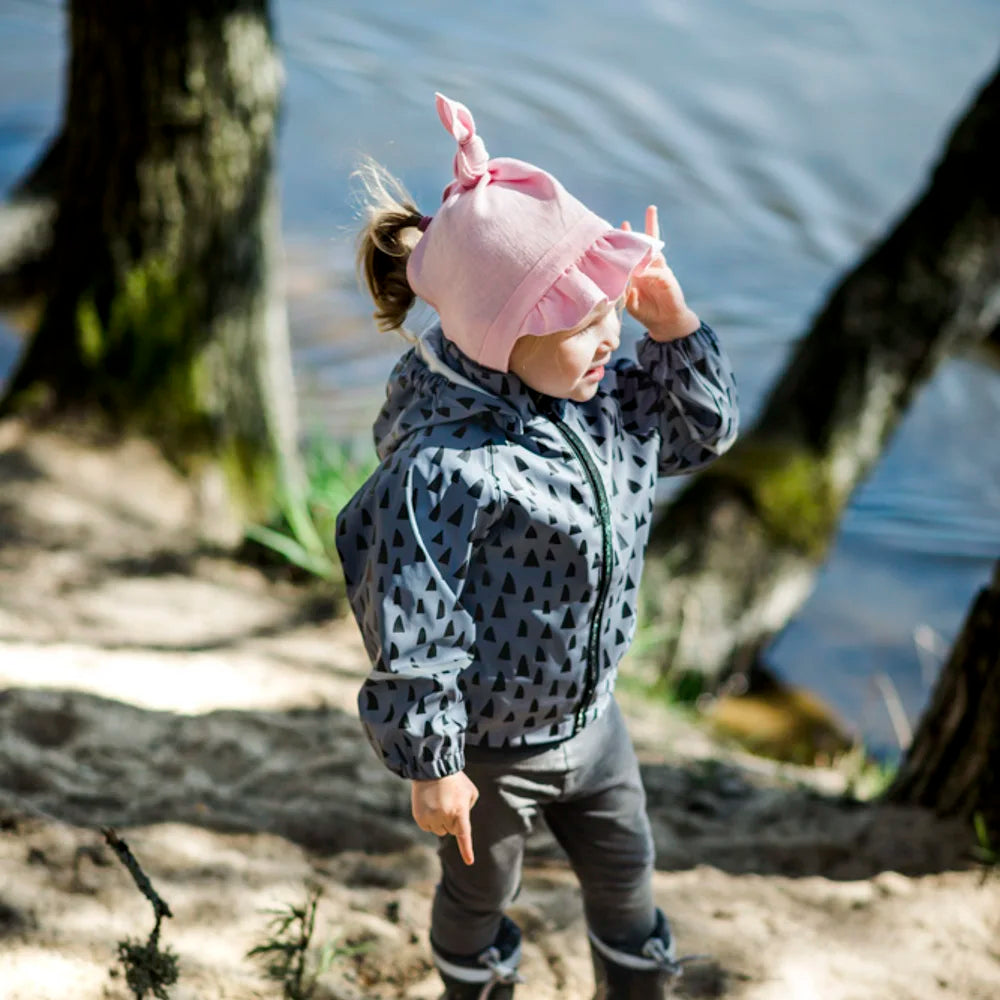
(493, 558)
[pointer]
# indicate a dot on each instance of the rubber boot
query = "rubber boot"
(646, 975)
(490, 975)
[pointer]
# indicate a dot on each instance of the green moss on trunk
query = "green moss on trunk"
(791, 490)
(162, 319)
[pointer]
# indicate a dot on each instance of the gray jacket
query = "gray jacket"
(493, 558)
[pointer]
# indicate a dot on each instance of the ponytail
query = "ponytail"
(389, 234)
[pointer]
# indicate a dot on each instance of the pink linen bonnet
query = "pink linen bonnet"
(511, 252)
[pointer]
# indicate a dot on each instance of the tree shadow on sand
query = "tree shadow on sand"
(309, 776)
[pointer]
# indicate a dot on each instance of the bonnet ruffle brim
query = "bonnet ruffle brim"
(600, 275)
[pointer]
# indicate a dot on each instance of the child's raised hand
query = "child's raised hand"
(442, 806)
(654, 296)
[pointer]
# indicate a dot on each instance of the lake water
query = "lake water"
(779, 139)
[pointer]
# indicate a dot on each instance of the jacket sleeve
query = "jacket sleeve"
(405, 541)
(684, 389)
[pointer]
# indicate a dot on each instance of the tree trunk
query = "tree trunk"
(953, 764)
(163, 316)
(736, 553)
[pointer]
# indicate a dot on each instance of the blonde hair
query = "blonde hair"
(388, 236)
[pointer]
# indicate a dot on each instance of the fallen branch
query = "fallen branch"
(147, 968)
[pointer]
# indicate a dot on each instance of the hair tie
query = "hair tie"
(471, 159)
(425, 221)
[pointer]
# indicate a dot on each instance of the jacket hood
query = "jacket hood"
(434, 383)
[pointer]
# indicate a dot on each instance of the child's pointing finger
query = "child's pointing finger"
(462, 829)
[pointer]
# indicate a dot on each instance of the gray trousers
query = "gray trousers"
(589, 792)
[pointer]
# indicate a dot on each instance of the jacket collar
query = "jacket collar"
(527, 402)
(435, 383)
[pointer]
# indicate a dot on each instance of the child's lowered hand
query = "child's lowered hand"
(442, 806)
(654, 296)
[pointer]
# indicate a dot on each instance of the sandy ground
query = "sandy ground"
(206, 712)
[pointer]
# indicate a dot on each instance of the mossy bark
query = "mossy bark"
(164, 316)
(953, 764)
(736, 553)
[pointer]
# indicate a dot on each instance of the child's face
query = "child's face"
(569, 364)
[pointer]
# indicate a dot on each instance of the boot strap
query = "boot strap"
(495, 970)
(657, 955)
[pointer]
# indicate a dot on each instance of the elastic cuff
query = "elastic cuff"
(439, 767)
(659, 347)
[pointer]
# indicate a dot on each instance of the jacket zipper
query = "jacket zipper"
(604, 578)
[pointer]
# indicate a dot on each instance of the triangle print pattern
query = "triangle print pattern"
(476, 554)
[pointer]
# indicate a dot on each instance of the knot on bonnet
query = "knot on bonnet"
(511, 253)
(471, 159)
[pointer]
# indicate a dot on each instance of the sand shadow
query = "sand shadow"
(302, 774)
(309, 776)
(15, 467)
(715, 813)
